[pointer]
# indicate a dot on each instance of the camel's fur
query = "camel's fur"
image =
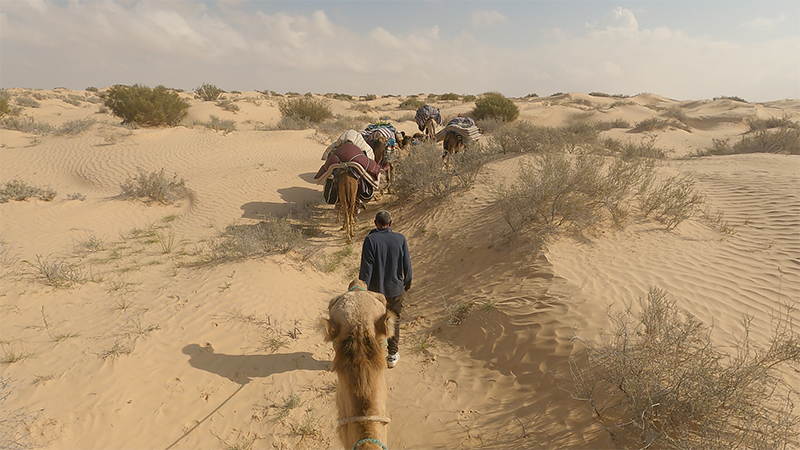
(430, 130)
(359, 326)
(379, 147)
(348, 203)
(452, 145)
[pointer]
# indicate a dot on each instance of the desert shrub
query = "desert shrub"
(578, 137)
(207, 92)
(469, 98)
(616, 123)
(239, 242)
(599, 94)
(644, 149)
(19, 190)
(411, 103)
(73, 127)
(577, 194)
(782, 140)
(523, 137)
(336, 96)
(228, 105)
(655, 380)
(449, 96)
(369, 97)
(26, 124)
(215, 123)
(655, 124)
(71, 100)
(496, 106)
(363, 108)
(306, 108)
(420, 174)
(60, 274)
(757, 124)
(16, 425)
(91, 89)
(154, 187)
(734, 98)
(532, 95)
(146, 106)
(670, 201)
(5, 108)
(27, 101)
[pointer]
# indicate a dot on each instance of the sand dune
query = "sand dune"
(154, 353)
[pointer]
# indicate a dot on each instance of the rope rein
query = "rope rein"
(375, 441)
(381, 419)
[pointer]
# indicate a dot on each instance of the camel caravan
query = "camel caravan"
(358, 163)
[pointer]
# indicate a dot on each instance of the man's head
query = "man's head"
(383, 219)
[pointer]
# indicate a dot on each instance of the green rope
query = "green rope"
(357, 287)
(369, 440)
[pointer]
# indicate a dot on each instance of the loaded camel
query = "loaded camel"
(348, 203)
(358, 326)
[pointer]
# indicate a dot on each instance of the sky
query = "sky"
(684, 50)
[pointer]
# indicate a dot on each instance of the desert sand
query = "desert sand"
(154, 353)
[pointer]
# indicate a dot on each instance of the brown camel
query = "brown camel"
(453, 143)
(430, 130)
(379, 147)
(359, 326)
(348, 202)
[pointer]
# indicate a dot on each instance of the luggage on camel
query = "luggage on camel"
(425, 113)
(349, 156)
(353, 137)
(464, 127)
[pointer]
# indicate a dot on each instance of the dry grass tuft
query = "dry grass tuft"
(154, 187)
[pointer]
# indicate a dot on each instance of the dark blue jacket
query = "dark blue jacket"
(385, 262)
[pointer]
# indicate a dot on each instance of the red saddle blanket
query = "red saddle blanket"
(349, 155)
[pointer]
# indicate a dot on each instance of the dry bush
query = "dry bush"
(628, 150)
(421, 174)
(524, 137)
(25, 101)
(146, 106)
(19, 190)
(656, 124)
(670, 201)
(655, 380)
(578, 194)
(26, 124)
(15, 425)
(228, 105)
(411, 103)
(757, 124)
(493, 105)
(616, 123)
(5, 108)
(239, 242)
(306, 109)
(154, 187)
(73, 127)
(449, 96)
(785, 140)
(207, 92)
(215, 123)
(60, 274)
(734, 98)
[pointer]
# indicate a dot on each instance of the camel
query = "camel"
(358, 327)
(348, 202)
(430, 130)
(379, 147)
(453, 143)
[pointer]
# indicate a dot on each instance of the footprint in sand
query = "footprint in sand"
(175, 386)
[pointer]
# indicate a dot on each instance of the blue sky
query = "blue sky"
(680, 49)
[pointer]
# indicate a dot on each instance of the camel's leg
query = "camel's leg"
(348, 196)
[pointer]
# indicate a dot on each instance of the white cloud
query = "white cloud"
(618, 21)
(483, 18)
(763, 23)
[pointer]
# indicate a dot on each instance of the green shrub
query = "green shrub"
(5, 108)
(19, 190)
(154, 187)
(734, 98)
(469, 98)
(207, 92)
(306, 108)
(656, 380)
(369, 97)
(449, 96)
(757, 124)
(411, 103)
(532, 96)
(655, 124)
(91, 89)
(146, 106)
(493, 105)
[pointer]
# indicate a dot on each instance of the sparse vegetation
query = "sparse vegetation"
(655, 124)
(26, 124)
(457, 312)
(18, 190)
(493, 105)
(215, 123)
(228, 105)
(734, 98)
(420, 174)
(670, 201)
(74, 127)
(411, 103)
(655, 380)
(207, 92)
(238, 242)
(154, 187)
(146, 106)
(28, 102)
(306, 109)
(782, 140)
(60, 274)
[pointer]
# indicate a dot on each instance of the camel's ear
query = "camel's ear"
(380, 297)
(331, 330)
(384, 326)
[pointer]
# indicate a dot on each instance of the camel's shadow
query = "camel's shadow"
(294, 198)
(242, 368)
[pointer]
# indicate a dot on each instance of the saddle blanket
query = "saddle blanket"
(424, 113)
(353, 137)
(349, 156)
(463, 126)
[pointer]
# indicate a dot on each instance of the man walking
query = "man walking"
(386, 268)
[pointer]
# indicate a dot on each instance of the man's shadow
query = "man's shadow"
(241, 368)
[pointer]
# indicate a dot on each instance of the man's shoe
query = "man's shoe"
(391, 360)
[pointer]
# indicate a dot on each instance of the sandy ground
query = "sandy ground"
(154, 353)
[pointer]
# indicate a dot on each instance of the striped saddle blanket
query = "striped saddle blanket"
(463, 126)
(425, 113)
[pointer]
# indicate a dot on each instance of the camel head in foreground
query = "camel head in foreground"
(358, 326)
